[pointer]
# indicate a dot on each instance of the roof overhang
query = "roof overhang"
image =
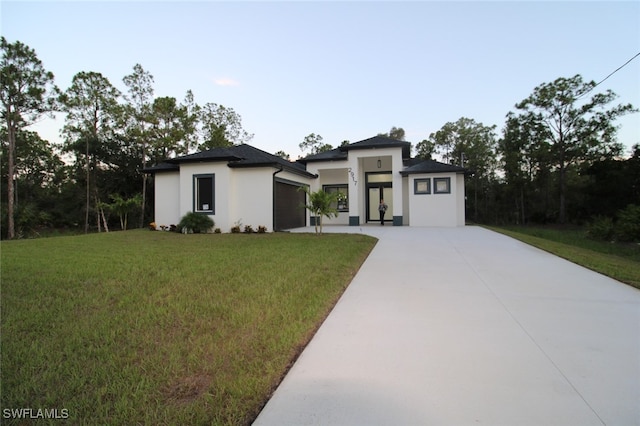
(275, 165)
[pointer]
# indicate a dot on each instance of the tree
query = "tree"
(138, 110)
(576, 129)
(221, 127)
(38, 179)
(426, 149)
(168, 130)
(613, 184)
(396, 133)
(27, 93)
(524, 158)
(313, 143)
(122, 207)
(320, 205)
(467, 143)
(91, 104)
(190, 122)
(283, 155)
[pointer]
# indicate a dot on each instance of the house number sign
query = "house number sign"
(353, 176)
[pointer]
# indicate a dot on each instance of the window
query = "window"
(342, 204)
(442, 185)
(203, 193)
(422, 186)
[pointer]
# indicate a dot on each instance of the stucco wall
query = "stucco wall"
(167, 188)
(406, 220)
(221, 189)
(335, 177)
(251, 198)
(461, 220)
(436, 209)
(241, 194)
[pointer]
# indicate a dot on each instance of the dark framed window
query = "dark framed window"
(204, 193)
(422, 186)
(342, 205)
(442, 185)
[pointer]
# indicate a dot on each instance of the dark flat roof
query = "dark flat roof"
(237, 156)
(431, 166)
(376, 142)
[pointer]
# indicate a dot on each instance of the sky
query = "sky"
(343, 70)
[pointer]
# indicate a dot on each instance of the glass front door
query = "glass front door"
(379, 187)
(375, 194)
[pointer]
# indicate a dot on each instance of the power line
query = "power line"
(604, 79)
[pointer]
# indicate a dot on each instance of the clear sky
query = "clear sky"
(344, 70)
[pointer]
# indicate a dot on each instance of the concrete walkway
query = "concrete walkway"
(464, 326)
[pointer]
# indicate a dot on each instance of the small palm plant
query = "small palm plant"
(319, 204)
(196, 223)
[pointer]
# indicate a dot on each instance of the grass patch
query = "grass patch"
(142, 327)
(616, 260)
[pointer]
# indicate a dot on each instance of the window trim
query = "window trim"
(345, 188)
(422, 180)
(442, 179)
(196, 178)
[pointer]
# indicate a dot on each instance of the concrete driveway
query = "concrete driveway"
(464, 326)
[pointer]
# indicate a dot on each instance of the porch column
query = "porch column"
(398, 202)
(353, 173)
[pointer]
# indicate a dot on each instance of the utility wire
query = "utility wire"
(603, 80)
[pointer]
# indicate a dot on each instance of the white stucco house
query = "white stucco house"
(243, 184)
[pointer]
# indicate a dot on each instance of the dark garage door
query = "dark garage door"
(289, 207)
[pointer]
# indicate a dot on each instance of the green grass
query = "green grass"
(616, 260)
(144, 327)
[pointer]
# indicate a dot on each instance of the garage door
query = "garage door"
(289, 207)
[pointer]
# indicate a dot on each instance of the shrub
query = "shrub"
(628, 225)
(217, 231)
(195, 222)
(600, 228)
(235, 229)
(248, 229)
(262, 229)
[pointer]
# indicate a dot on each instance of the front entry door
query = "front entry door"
(375, 194)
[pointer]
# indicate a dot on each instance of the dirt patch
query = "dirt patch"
(187, 389)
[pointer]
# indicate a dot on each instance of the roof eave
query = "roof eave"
(274, 165)
(418, 172)
(319, 160)
(203, 159)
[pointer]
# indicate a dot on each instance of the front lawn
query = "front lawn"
(143, 327)
(620, 261)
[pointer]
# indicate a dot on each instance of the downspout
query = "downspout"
(273, 192)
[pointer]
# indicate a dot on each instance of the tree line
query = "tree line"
(556, 159)
(109, 137)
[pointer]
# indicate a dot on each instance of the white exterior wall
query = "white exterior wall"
(437, 209)
(461, 199)
(353, 173)
(331, 173)
(335, 177)
(241, 194)
(222, 185)
(406, 220)
(166, 205)
(366, 160)
(250, 198)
